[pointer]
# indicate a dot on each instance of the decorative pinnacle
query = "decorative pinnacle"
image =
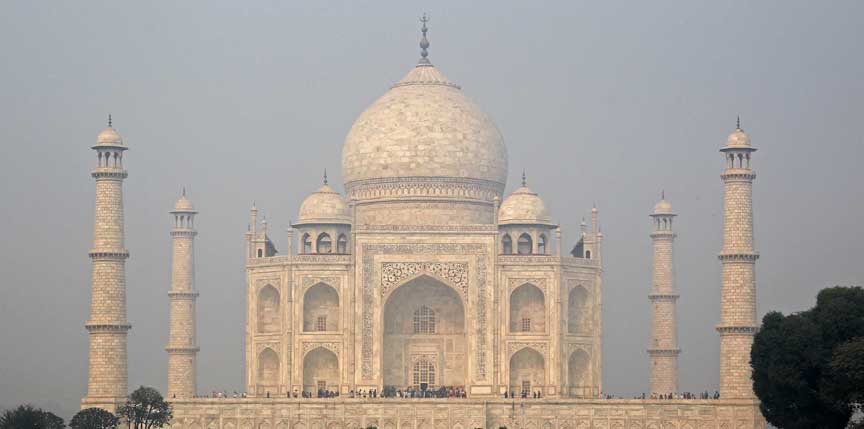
(325, 176)
(662, 194)
(524, 180)
(109, 120)
(184, 191)
(424, 42)
(738, 123)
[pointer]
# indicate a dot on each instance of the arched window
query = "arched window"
(424, 372)
(523, 246)
(260, 253)
(307, 244)
(587, 254)
(342, 244)
(506, 245)
(424, 320)
(324, 244)
(541, 245)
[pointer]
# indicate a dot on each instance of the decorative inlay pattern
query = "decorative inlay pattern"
(427, 228)
(332, 346)
(369, 251)
(309, 281)
(515, 346)
(539, 282)
(453, 273)
(480, 360)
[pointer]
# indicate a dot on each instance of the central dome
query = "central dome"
(424, 127)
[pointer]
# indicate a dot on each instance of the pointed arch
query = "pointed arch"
(577, 310)
(306, 243)
(320, 371)
(324, 244)
(268, 309)
(320, 308)
(268, 369)
(525, 244)
(541, 244)
(527, 370)
(342, 244)
(506, 244)
(527, 309)
(578, 374)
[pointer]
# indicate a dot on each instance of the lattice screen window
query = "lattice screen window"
(526, 386)
(424, 320)
(424, 372)
(526, 324)
(322, 385)
(321, 323)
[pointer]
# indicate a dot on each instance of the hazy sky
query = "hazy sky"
(240, 101)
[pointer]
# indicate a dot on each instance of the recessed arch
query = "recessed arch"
(578, 374)
(577, 310)
(445, 346)
(506, 244)
(541, 244)
(527, 371)
(524, 245)
(306, 243)
(268, 309)
(324, 244)
(268, 370)
(320, 371)
(342, 244)
(320, 308)
(527, 309)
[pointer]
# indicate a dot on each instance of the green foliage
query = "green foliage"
(29, 417)
(808, 368)
(145, 409)
(94, 418)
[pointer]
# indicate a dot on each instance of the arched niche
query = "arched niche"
(268, 371)
(527, 309)
(506, 245)
(527, 371)
(541, 244)
(306, 243)
(320, 309)
(342, 244)
(324, 244)
(320, 371)
(268, 309)
(524, 246)
(578, 374)
(424, 319)
(577, 310)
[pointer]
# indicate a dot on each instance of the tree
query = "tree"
(808, 367)
(145, 409)
(29, 417)
(94, 418)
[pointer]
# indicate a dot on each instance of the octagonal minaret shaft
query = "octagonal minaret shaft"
(663, 349)
(107, 364)
(182, 343)
(738, 294)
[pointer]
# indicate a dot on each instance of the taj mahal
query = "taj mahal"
(423, 276)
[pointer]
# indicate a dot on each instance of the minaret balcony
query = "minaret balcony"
(107, 327)
(738, 256)
(110, 254)
(664, 352)
(109, 172)
(737, 329)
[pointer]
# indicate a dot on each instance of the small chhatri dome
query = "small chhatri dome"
(663, 207)
(738, 138)
(424, 127)
(109, 136)
(183, 204)
(324, 206)
(522, 207)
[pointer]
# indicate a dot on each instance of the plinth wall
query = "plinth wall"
(282, 413)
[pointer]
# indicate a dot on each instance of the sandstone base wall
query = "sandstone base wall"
(346, 413)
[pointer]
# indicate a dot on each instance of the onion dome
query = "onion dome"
(523, 207)
(324, 206)
(109, 137)
(424, 127)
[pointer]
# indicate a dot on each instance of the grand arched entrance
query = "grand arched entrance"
(424, 336)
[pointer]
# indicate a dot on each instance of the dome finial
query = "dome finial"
(662, 194)
(424, 43)
(738, 123)
(524, 180)
(109, 120)
(184, 191)
(325, 176)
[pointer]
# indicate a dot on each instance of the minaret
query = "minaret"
(182, 344)
(107, 371)
(738, 295)
(663, 349)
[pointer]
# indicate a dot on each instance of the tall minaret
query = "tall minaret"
(107, 371)
(663, 349)
(182, 345)
(738, 295)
